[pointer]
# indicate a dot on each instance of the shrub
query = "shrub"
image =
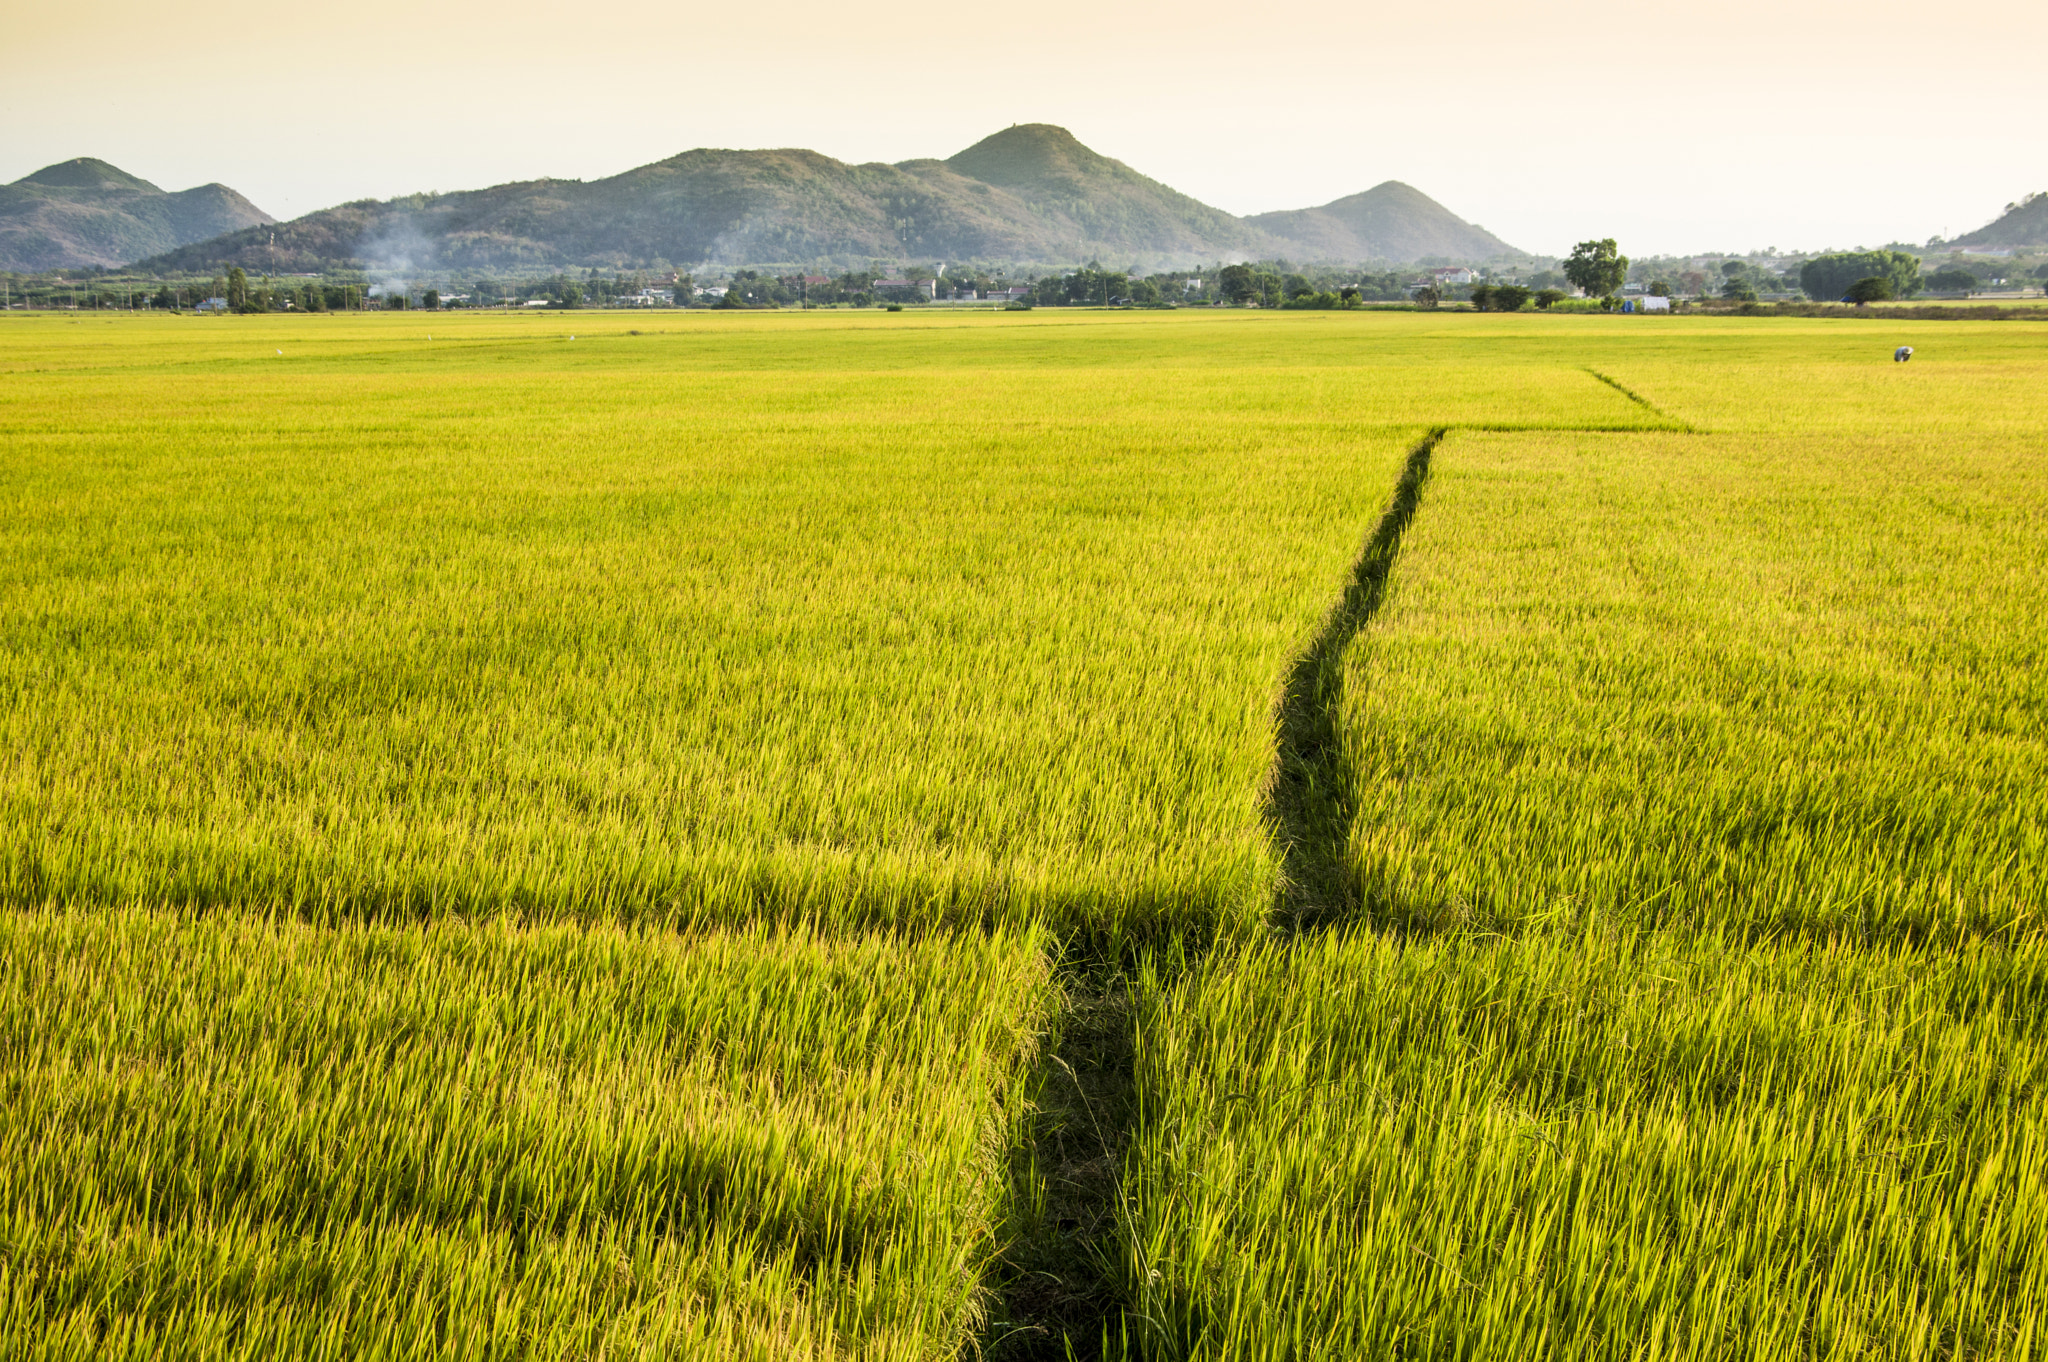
(1509, 297)
(1550, 297)
(1482, 297)
(1873, 289)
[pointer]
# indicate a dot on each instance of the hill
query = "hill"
(2023, 224)
(1103, 203)
(1391, 221)
(86, 212)
(1031, 194)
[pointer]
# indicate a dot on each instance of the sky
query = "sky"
(1677, 128)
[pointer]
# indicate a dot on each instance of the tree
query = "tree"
(166, 299)
(1429, 295)
(1509, 297)
(1828, 277)
(1240, 283)
(1738, 290)
(1597, 267)
(1482, 297)
(1549, 297)
(572, 294)
(1660, 288)
(432, 301)
(1874, 289)
(237, 290)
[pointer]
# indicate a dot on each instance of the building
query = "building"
(212, 305)
(1452, 275)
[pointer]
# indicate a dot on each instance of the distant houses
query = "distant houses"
(1453, 276)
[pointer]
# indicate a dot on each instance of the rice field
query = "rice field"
(1687, 997)
(1594, 1144)
(237, 1137)
(948, 623)
(584, 836)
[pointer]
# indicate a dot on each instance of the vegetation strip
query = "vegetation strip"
(1632, 395)
(1309, 798)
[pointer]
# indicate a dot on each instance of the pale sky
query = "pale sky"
(1684, 127)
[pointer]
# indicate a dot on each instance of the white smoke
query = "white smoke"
(394, 255)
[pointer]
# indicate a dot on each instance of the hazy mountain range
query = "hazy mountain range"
(1031, 194)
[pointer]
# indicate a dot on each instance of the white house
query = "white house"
(1452, 274)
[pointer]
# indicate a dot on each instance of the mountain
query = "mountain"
(1105, 204)
(1030, 195)
(1390, 221)
(2023, 224)
(86, 212)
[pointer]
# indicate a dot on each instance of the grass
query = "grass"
(1759, 682)
(955, 621)
(891, 835)
(1605, 1144)
(241, 1138)
(1690, 1005)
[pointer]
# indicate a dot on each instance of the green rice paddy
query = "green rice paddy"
(521, 846)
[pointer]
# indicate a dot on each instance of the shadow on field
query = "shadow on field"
(1060, 1289)
(1310, 798)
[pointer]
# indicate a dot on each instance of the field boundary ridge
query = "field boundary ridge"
(1309, 799)
(1645, 403)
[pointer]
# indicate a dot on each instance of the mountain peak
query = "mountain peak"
(1027, 154)
(1390, 221)
(88, 172)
